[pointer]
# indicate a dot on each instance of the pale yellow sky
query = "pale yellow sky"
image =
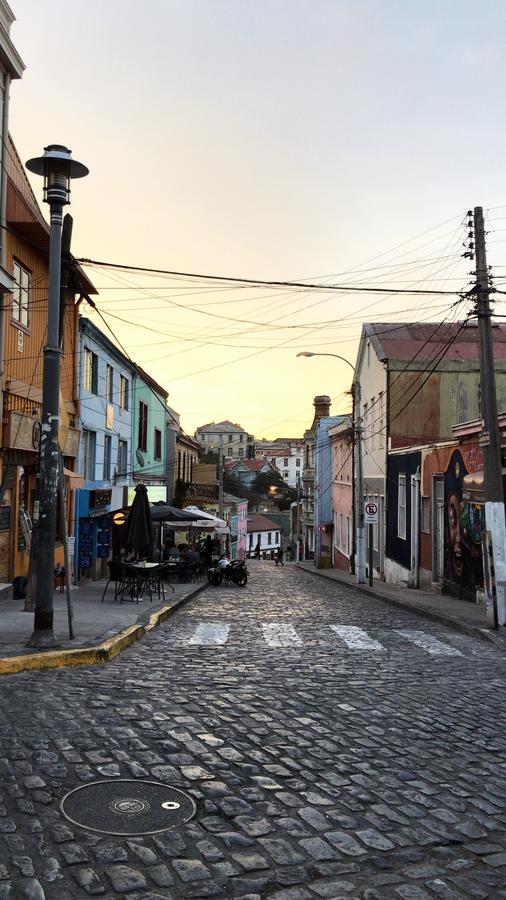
(277, 140)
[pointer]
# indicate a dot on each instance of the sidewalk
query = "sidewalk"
(469, 618)
(101, 630)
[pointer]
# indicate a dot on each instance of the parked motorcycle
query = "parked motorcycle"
(224, 571)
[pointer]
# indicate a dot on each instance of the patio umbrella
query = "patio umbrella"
(138, 535)
(162, 512)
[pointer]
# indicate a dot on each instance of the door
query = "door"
(438, 527)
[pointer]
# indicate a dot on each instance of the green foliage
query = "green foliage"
(209, 456)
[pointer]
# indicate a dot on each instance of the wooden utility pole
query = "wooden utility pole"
(490, 438)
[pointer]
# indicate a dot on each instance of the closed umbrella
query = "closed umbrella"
(138, 534)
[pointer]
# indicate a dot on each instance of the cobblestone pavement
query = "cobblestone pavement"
(326, 761)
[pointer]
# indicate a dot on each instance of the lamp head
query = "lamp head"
(57, 168)
(306, 353)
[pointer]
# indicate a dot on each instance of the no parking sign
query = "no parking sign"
(371, 513)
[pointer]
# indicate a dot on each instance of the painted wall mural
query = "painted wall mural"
(464, 523)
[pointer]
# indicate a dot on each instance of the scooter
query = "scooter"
(225, 571)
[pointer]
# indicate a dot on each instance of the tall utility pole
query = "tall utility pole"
(359, 483)
(57, 167)
(490, 437)
(220, 482)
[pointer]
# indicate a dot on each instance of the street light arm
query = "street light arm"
(335, 355)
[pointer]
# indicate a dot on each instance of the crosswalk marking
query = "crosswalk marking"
(210, 634)
(429, 643)
(356, 638)
(279, 635)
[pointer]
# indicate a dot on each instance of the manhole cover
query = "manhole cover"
(124, 806)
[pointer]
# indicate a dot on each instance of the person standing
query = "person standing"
(279, 557)
(207, 551)
(257, 550)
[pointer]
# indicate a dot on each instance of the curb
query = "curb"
(101, 653)
(425, 613)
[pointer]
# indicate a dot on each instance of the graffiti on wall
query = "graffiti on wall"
(463, 567)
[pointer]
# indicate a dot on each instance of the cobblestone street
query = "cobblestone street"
(335, 747)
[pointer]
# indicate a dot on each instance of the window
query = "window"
(241, 438)
(269, 537)
(158, 443)
(109, 384)
(21, 294)
(285, 473)
(89, 443)
(285, 461)
(230, 438)
(401, 508)
(122, 458)
(143, 426)
(90, 371)
(123, 392)
(426, 514)
(241, 452)
(107, 457)
(297, 463)
(230, 451)
(277, 537)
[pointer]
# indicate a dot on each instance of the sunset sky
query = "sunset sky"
(325, 140)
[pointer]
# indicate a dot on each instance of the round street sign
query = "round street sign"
(119, 518)
(371, 513)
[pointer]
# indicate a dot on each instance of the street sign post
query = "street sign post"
(371, 518)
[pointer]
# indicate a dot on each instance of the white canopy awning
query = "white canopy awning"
(207, 520)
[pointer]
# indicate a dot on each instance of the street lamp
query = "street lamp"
(57, 168)
(358, 503)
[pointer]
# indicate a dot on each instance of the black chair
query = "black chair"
(116, 574)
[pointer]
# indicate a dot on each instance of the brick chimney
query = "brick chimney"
(322, 406)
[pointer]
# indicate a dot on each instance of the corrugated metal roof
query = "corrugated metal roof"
(402, 340)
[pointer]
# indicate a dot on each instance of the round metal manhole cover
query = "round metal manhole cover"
(124, 806)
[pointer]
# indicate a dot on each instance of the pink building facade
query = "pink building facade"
(341, 441)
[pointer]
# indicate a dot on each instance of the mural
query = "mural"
(464, 523)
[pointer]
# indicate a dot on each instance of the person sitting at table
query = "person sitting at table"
(170, 552)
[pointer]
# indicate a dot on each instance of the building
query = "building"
(246, 470)
(106, 379)
(187, 458)
(342, 451)
(321, 408)
(323, 484)
(263, 533)
(151, 419)
(25, 325)
(227, 438)
(416, 382)
(235, 513)
(436, 513)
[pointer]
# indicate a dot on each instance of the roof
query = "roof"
(257, 522)
(226, 425)
(254, 465)
(230, 498)
(402, 340)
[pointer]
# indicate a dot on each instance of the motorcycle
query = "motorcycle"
(224, 571)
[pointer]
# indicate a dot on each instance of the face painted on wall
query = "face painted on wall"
(455, 534)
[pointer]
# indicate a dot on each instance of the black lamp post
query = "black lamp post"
(57, 168)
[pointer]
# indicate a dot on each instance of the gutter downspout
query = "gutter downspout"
(3, 234)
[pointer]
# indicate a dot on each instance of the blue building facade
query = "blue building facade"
(105, 390)
(323, 512)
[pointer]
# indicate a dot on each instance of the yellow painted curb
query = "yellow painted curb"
(87, 656)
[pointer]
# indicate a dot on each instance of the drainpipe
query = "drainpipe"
(415, 528)
(3, 234)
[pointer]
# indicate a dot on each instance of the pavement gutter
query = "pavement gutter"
(433, 615)
(103, 652)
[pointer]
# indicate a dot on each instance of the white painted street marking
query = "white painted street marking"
(210, 634)
(356, 638)
(280, 635)
(429, 643)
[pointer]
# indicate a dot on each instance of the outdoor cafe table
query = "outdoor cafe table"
(144, 581)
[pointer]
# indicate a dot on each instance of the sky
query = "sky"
(330, 141)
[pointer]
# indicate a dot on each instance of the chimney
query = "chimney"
(322, 406)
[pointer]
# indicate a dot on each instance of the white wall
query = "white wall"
(294, 470)
(264, 540)
(373, 385)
